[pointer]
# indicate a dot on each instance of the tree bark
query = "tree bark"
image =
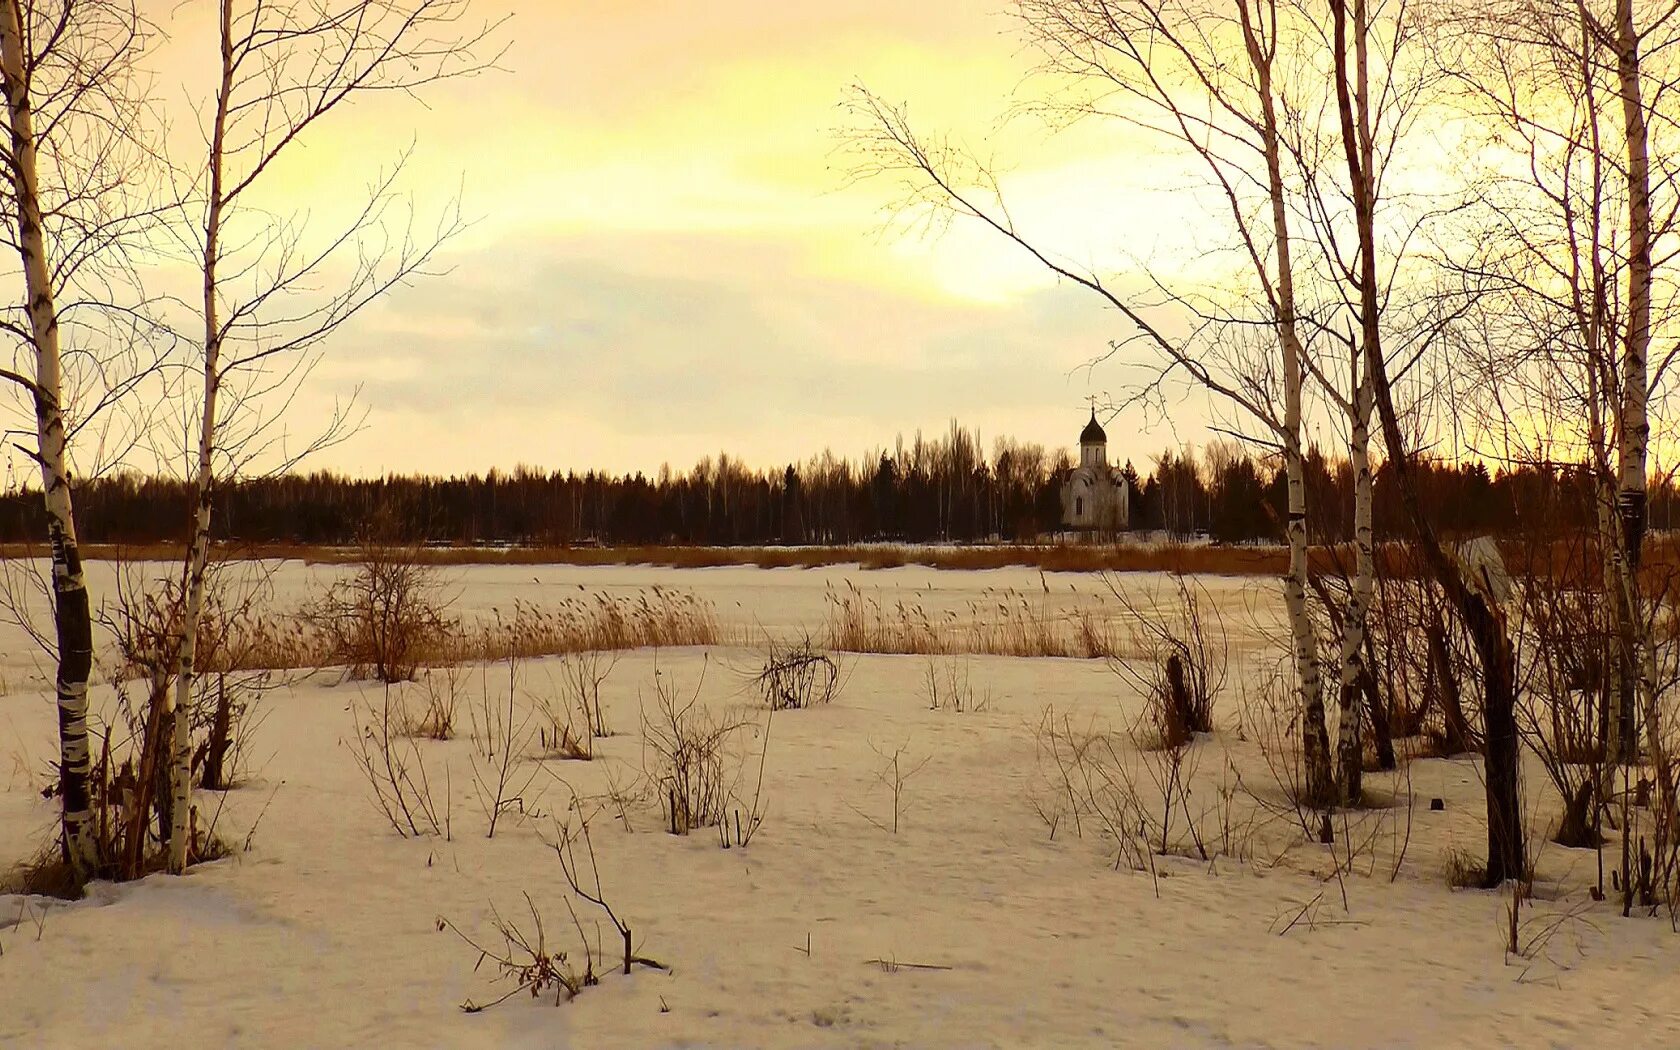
(1485, 622)
(1350, 740)
(198, 555)
(1455, 730)
(1635, 431)
(1315, 739)
(72, 618)
(1635, 434)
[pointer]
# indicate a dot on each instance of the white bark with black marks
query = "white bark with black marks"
(72, 617)
(1315, 738)
(1350, 740)
(204, 478)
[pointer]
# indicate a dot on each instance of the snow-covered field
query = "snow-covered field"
(971, 926)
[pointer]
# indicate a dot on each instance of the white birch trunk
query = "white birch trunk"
(1635, 431)
(1352, 658)
(1349, 744)
(1635, 435)
(1315, 738)
(72, 617)
(198, 553)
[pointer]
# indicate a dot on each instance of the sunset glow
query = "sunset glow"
(667, 254)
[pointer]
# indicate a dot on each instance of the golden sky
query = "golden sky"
(667, 260)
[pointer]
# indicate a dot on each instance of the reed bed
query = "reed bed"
(1005, 623)
(1070, 557)
(659, 617)
(1661, 559)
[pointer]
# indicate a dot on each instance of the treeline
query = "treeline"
(943, 489)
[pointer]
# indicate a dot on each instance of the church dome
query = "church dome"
(1093, 434)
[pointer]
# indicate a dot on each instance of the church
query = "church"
(1095, 497)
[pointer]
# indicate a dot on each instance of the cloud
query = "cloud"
(669, 261)
(586, 352)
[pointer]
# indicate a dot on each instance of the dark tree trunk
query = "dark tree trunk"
(1455, 728)
(216, 747)
(1575, 828)
(1382, 729)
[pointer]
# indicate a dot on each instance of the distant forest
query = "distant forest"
(945, 489)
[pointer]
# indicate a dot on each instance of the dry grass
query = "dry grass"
(1182, 653)
(947, 685)
(658, 617)
(441, 689)
(1071, 557)
(1463, 871)
(48, 874)
(1661, 558)
(1007, 624)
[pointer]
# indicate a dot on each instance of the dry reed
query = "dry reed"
(659, 617)
(1005, 624)
(1662, 553)
(1051, 557)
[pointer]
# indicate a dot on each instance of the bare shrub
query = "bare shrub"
(1141, 800)
(1177, 659)
(1270, 716)
(500, 734)
(796, 676)
(582, 673)
(894, 774)
(1417, 655)
(441, 688)
(623, 796)
(947, 687)
(1085, 774)
(1057, 796)
(129, 780)
(569, 713)
(144, 621)
(525, 960)
(745, 830)
(226, 722)
(1648, 872)
(1564, 700)
(385, 619)
(129, 800)
(692, 768)
(585, 885)
(395, 769)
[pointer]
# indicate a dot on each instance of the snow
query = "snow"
(324, 932)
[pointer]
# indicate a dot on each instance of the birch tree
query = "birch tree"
(1631, 40)
(283, 70)
(1576, 93)
(1209, 79)
(74, 131)
(1352, 28)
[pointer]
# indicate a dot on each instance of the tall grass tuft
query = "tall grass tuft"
(659, 617)
(1007, 624)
